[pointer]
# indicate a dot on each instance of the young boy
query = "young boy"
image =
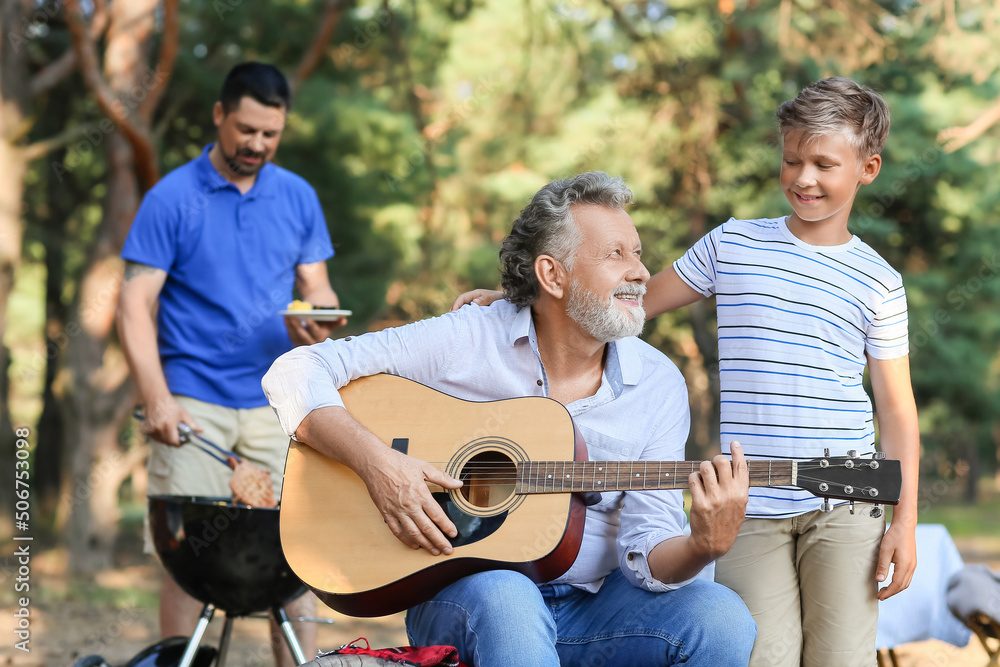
(803, 304)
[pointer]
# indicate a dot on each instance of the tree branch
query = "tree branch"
(331, 17)
(90, 68)
(53, 73)
(784, 23)
(133, 128)
(168, 55)
(623, 23)
(956, 137)
(42, 148)
(412, 101)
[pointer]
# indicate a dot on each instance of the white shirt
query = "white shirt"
(795, 323)
(640, 412)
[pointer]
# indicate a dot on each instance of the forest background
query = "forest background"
(425, 127)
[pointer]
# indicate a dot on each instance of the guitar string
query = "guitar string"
(503, 471)
(487, 474)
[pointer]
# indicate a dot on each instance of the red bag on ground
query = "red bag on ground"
(416, 656)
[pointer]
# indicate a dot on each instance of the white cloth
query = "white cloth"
(795, 324)
(921, 611)
(639, 413)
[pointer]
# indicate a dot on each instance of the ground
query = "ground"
(113, 614)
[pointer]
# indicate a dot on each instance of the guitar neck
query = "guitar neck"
(584, 476)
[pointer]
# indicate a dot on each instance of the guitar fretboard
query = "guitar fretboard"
(570, 476)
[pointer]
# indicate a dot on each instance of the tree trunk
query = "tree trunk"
(98, 390)
(49, 469)
(13, 102)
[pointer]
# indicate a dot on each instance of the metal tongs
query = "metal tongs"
(187, 435)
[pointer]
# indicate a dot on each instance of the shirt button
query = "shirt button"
(631, 556)
(539, 383)
(348, 338)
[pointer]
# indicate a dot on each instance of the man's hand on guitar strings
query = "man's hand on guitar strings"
(399, 491)
(719, 494)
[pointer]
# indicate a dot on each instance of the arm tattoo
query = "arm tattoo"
(133, 269)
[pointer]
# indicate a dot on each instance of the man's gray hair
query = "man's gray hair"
(546, 227)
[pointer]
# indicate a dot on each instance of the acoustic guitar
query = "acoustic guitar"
(522, 507)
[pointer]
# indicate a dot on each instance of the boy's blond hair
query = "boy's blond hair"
(839, 105)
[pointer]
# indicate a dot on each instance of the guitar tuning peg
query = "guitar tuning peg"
(876, 512)
(852, 453)
(878, 456)
(826, 452)
(825, 507)
(852, 507)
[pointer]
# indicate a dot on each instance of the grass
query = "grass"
(942, 503)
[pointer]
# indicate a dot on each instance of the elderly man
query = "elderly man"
(574, 283)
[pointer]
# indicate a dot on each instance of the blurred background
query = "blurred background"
(425, 127)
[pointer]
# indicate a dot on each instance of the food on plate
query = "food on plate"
(300, 305)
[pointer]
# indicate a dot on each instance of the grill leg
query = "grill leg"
(227, 629)
(199, 632)
(286, 628)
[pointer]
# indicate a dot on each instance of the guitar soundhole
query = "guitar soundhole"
(488, 479)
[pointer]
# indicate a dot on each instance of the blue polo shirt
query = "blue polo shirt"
(230, 260)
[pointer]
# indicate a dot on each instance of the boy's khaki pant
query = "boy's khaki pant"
(809, 582)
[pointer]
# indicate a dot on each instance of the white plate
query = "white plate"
(320, 315)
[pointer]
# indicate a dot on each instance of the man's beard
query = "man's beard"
(238, 168)
(603, 319)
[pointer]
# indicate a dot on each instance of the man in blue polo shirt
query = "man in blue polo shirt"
(211, 258)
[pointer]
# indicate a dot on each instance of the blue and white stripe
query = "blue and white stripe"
(795, 325)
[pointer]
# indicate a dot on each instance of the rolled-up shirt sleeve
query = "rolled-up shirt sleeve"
(308, 378)
(650, 517)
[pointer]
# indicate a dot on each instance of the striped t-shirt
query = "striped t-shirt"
(795, 322)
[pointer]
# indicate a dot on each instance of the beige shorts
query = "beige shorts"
(254, 434)
(809, 582)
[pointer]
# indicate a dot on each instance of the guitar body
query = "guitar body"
(336, 541)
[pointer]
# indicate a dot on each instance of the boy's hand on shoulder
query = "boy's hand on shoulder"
(477, 297)
(899, 547)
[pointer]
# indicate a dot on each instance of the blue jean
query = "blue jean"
(502, 619)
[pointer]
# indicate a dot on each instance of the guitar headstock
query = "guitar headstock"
(874, 480)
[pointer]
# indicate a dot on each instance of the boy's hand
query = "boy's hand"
(899, 547)
(478, 297)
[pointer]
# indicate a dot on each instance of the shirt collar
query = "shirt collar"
(212, 180)
(623, 365)
(522, 326)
